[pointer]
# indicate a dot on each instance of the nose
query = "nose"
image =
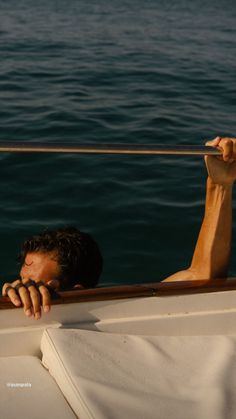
(22, 272)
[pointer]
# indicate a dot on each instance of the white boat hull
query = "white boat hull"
(205, 313)
(150, 352)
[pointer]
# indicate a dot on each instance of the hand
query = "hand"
(30, 294)
(222, 169)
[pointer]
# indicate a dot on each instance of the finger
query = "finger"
(213, 143)
(9, 284)
(35, 300)
(26, 300)
(234, 148)
(5, 286)
(46, 298)
(9, 291)
(226, 145)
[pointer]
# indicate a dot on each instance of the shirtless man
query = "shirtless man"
(41, 266)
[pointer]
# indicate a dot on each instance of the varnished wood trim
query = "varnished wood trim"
(143, 149)
(161, 289)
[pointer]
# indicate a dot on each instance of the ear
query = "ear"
(54, 283)
(78, 286)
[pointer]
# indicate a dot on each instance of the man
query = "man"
(210, 258)
(58, 259)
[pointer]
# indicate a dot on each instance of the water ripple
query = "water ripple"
(128, 72)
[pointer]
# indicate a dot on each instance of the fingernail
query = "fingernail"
(46, 309)
(28, 312)
(17, 302)
(37, 315)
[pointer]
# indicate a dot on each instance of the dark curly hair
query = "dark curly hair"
(78, 255)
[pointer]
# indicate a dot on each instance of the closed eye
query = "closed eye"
(27, 264)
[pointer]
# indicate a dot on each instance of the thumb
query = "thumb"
(208, 160)
(213, 143)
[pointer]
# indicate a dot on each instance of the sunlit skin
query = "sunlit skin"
(37, 267)
(211, 254)
(40, 267)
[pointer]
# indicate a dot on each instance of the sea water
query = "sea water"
(130, 72)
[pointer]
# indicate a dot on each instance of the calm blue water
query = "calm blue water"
(154, 72)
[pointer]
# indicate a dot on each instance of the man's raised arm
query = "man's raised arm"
(212, 252)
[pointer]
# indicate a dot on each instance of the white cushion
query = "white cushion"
(104, 375)
(28, 391)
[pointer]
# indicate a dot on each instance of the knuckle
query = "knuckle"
(17, 282)
(11, 294)
(226, 141)
(7, 284)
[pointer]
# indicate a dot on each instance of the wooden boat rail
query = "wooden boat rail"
(161, 289)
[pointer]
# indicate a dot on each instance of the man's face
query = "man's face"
(40, 266)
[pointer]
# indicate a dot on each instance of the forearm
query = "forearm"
(212, 251)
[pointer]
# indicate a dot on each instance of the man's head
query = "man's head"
(66, 255)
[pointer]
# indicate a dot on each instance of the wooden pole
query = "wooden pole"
(137, 149)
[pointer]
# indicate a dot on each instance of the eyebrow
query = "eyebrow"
(28, 264)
